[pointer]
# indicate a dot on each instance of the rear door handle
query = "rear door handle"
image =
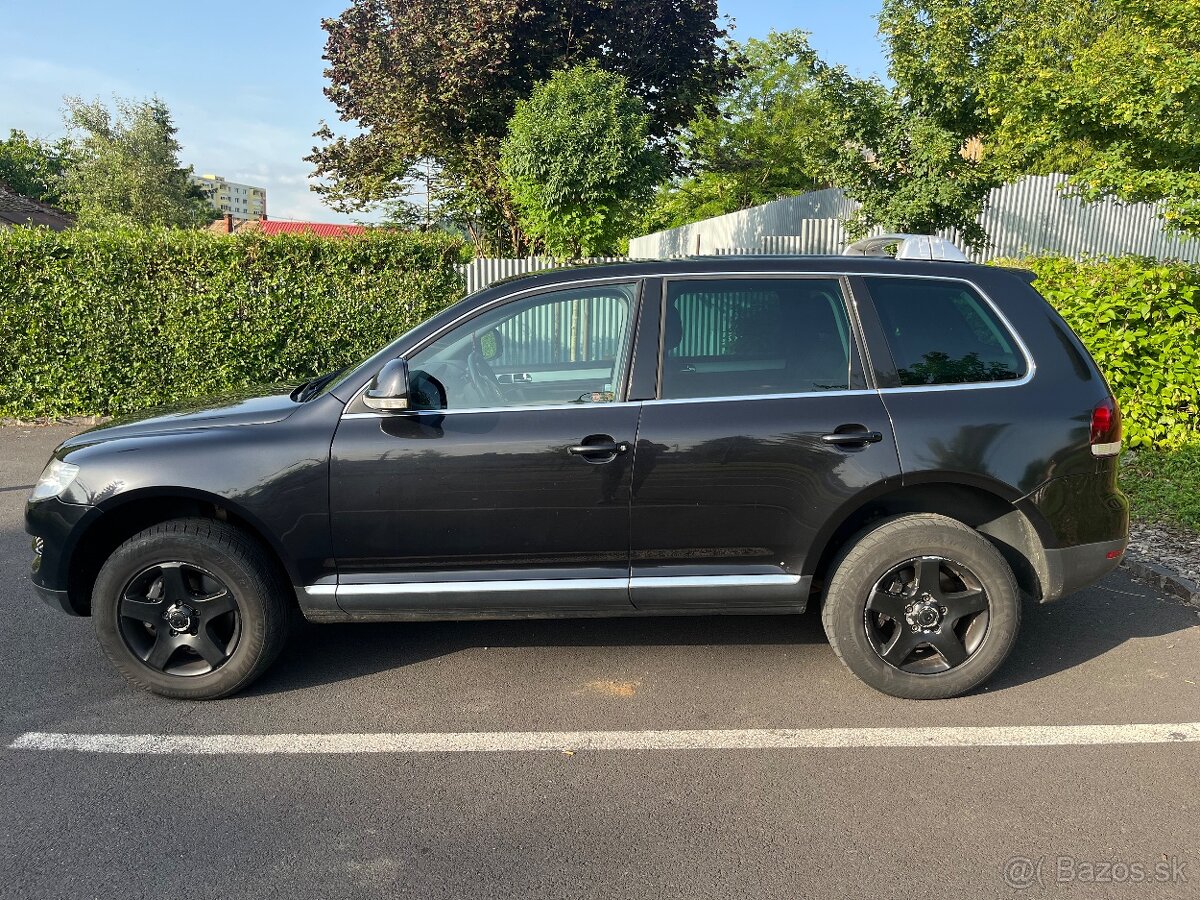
(844, 438)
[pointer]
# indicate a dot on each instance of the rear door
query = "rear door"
(763, 430)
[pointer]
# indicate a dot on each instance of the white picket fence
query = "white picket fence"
(485, 271)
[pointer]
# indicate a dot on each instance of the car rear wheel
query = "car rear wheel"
(922, 607)
(190, 608)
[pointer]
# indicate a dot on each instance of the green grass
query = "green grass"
(1164, 486)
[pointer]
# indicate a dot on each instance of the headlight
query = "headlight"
(56, 478)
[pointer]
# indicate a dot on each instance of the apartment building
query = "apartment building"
(243, 201)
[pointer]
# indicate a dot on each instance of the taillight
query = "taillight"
(1106, 429)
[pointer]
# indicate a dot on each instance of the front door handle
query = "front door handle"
(601, 445)
(849, 438)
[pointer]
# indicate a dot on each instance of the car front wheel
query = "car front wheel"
(922, 607)
(191, 609)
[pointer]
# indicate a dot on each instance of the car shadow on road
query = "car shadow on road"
(1084, 626)
(1054, 638)
(323, 654)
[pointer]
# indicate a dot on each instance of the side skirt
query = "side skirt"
(555, 598)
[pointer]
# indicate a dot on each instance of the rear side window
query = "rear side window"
(754, 336)
(943, 332)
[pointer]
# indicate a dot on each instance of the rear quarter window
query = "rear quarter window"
(943, 332)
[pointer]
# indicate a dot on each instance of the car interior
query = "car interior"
(751, 337)
(565, 347)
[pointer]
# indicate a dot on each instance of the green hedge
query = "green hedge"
(95, 323)
(1139, 319)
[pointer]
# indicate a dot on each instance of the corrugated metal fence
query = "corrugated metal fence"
(581, 329)
(1030, 216)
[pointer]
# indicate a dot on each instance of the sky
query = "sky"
(244, 80)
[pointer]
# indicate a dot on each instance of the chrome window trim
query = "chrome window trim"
(682, 400)
(490, 409)
(1030, 365)
(967, 386)
(841, 392)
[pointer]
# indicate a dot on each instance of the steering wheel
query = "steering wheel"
(483, 379)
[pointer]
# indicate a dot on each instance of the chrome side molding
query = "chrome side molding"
(539, 585)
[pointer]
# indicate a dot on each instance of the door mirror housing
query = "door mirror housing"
(389, 390)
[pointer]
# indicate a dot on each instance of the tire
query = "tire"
(211, 581)
(928, 571)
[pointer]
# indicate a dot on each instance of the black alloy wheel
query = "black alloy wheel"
(192, 608)
(179, 619)
(926, 615)
(921, 606)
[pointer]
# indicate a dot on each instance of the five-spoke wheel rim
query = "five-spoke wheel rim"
(179, 619)
(927, 615)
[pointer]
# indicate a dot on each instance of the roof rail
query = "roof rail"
(908, 246)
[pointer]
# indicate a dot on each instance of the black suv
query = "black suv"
(909, 446)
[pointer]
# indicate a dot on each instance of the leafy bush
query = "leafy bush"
(1139, 319)
(106, 322)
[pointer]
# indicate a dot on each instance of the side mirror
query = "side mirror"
(389, 390)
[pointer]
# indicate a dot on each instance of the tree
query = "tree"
(766, 139)
(437, 81)
(1107, 90)
(33, 167)
(125, 167)
(792, 123)
(578, 162)
(908, 172)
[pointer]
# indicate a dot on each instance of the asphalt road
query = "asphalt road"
(844, 823)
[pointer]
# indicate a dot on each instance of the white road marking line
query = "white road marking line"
(546, 741)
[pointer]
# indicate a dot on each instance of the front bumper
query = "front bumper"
(54, 523)
(55, 599)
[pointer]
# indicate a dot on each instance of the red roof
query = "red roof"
(16, 209)
(320, 229)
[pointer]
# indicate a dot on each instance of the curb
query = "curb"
(74, 421)
(1164, 579)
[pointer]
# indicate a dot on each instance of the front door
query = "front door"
(763, 430)
(507, 489)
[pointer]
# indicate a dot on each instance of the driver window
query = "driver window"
(567, 346)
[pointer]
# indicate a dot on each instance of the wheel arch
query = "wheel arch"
(1017, 530)
(123, 516)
